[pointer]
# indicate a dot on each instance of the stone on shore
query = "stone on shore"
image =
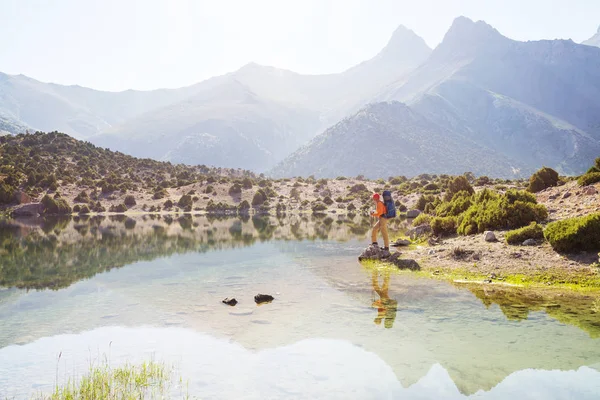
(28, 210)
(400, 242)
(489, 236)
(413, 213)
(419, 231)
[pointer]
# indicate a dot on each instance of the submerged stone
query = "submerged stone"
(230, 302)
(263, 298)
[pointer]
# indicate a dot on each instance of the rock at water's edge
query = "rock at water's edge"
(28, 210)
(375, 253)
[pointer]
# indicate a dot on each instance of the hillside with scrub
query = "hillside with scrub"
(546, 220)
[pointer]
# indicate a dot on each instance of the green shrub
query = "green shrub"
(235, 189)
(244, 206)
(400, 207)
(542, 179)
(518, 236)
(426, 199)
(318, 207)
(351, 207)
(7, 193)
(482, 181)
(247, 183)
(431, 186)
(575, 234)
(120, 208)
(76, 208)
(444, 226)
(84, 209)
(589, 179)
(458, 184)
(259, 197)
(491, 211)
(209, 189)
(185, 201)
(422, 219)
(55, 205)
(595, 167)
(328, 200)
(358, 188)
(82, 197)
(458, 205)
(130, 200)
(168, 204)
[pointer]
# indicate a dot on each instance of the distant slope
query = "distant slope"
(388, 139)
(594, 40)
(10, 126)
(75, 110)
(228, 125)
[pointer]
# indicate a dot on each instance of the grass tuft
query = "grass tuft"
(149, 380)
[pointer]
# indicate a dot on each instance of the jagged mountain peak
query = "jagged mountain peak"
(464, 29)
(402, 42)
(466, 38)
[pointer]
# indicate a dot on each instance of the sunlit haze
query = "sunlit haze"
(149, 44)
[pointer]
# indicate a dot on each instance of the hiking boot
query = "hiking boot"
(375, 244)
(385, 249)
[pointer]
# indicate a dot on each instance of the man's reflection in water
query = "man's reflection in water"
(386, 307)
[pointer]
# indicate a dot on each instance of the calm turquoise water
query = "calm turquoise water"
(95, 290)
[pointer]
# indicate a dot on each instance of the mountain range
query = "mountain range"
(478, 102)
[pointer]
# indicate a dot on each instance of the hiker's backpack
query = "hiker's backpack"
(389, 205)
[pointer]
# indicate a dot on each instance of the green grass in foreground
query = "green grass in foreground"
(149, 380)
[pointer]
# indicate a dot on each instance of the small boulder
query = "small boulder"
(401, 242)
(230, 302)
(263, 298)
(553, 196)
(566, 195)
(373, 252)
(413, 213)
(489, 236)
(419, 231)
(530, 242)
(590, 190)
(22, 198)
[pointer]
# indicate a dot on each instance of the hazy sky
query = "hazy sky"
(148, 44)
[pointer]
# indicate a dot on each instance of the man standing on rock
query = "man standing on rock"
(381, 224)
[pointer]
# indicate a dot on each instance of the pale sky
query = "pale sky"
(148, 44)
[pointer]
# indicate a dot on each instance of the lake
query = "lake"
(77, 291)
